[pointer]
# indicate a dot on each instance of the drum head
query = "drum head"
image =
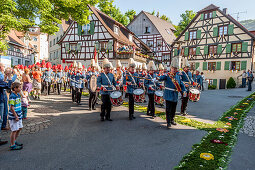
(138, 91)
(93, 83)
(159, 93)
(194, 91)
(115, 95)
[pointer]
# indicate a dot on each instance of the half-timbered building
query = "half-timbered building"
(102, 37)
(156, 33)
(218, 44)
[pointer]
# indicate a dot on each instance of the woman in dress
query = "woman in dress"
(27, 85)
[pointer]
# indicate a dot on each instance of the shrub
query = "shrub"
(211, 87)
(231, 83)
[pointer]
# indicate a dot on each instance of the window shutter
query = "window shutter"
(202, 16)
(79, 29)
(97, 45)
(243, 65)
(215, 82)
(244, 47)
(219, 49)
(79, 46)
(204, 65)
(198, 51)
(92, 28)
(109, 45)
(218, 65)
(227, 64)
(198, 34)
(215, 31)
(197, 65)
(186, 36)
(67, 46)
(186, 51)
(214, 14)
(231, 29)
(206, 50)
(228, 48)
(175, 52)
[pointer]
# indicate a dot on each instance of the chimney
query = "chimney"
(225, 10)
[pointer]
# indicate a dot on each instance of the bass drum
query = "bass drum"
(159, 97)
(139, 95)
(116, 98)
(194, 95)
(93, 83)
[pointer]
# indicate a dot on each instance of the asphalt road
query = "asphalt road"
(76, 139)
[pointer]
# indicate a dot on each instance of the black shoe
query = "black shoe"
(173, 122)
(94, 109)
(133, 116)
(168, 126)
(3, 142)
(130, 118)
(108, 119)
(18, 144)
(148, 114)
(90, 109)
(102, 119)
(38, 98)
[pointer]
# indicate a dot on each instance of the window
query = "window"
(150, 43)
(212, 66)
(210, 81)
(192, 51)
(237, 48)
(182, 52)
(50, 43)
(116, 29)
(73, 47)
(235, 65)
(148, 29)
(103, 45)
(223, 30)
(213, 49)
(85, 29)
(159, 42)
(168, 31)
(34, 38)
(208, 15)
(56, 54)
(57, 39)
(35, 46)
(54, 42)
(19, 61)
(192, 35)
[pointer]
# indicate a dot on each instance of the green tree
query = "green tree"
(164, 17)
(130, 14)
(21, 14)
(186, 18)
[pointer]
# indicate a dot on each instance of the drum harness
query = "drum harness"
(110, 84)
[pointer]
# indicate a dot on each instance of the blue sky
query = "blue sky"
(173, 8)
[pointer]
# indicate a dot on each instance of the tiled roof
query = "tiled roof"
(209, 8)
(12, 37)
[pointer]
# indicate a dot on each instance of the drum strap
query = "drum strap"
(132, 78)
(153, 82)
(187, 76)
(170, 89)
(109, 81)
(176, 84)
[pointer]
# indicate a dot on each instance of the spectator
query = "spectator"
(37, 82)
(244, 76)
(3, 97)
(250, 79)
(203, 79)
(24, 104)
(15, 116)
(27, 85)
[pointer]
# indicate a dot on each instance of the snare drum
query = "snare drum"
(139, 95)
(116, 98)
(159, 97)
(194, 95)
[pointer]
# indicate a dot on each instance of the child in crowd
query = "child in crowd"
(24, 103)
(15, 116)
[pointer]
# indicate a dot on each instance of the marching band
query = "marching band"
(109, 85)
